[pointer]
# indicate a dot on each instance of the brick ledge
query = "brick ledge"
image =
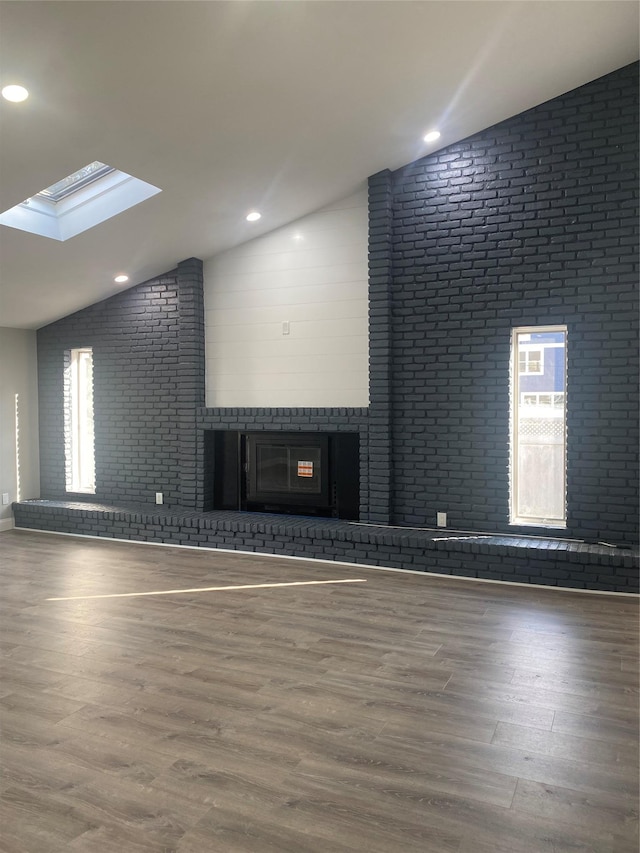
(548, 561)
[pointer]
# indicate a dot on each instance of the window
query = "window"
(79, 201)
(17, 422)
(61, 189)
(79, 441)
(538, 426)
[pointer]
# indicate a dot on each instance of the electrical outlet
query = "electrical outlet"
(5, 498)
(159, 498)
(441, 519)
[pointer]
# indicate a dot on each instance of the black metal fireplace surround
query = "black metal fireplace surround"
(300, 473)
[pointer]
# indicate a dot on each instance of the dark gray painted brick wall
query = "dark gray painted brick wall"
(531, 222)
(380, 280)
(148, 354)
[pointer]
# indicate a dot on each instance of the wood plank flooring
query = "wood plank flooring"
(406, 713)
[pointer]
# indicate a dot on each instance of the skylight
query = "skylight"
(61, 189)
(80, 201)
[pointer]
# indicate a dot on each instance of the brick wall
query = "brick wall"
(380, 290)
(531, 222)
(148, 354)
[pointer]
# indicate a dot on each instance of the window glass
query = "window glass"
(79, 430)
(538, 426)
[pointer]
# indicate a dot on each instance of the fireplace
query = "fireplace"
(303, 473)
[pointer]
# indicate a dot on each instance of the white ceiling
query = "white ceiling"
(279, 106)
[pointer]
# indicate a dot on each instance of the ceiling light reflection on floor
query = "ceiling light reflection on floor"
(207, 589)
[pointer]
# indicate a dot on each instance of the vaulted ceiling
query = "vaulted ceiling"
(278, 106)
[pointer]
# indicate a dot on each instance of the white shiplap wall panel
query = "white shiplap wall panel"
(289, 388)
(307, 365)
(284, 382)
(249, 317)
(263, 332)
(299, 243)
(265, 347)
(290, 278)
(289, 258)
(303, 294)
(287, 397)
(311, 274)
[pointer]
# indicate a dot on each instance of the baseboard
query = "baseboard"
(6, 524)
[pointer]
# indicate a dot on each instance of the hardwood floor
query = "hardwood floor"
(403, 713)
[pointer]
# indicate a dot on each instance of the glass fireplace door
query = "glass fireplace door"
(283, 470)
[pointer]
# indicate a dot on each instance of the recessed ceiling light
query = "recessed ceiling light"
(254, 216)
(15, 93)
(120, 279)
(432, 136)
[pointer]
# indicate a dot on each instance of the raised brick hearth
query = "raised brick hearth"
(552, 562)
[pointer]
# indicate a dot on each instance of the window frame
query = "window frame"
(75, 182)
(515, 402)
(79, 437)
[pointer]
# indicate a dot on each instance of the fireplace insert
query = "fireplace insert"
(304, 473)
(287, 470)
